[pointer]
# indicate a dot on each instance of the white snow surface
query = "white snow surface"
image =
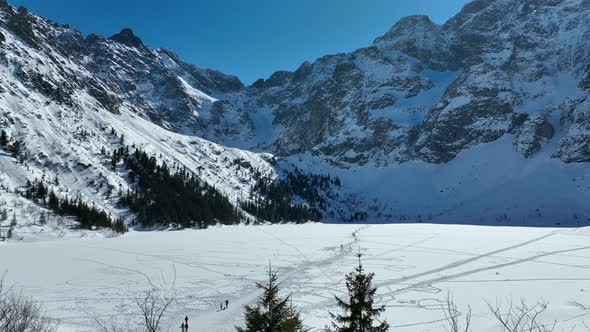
(488, 184)
(415, 266)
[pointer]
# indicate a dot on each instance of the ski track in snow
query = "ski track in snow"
(415, 266)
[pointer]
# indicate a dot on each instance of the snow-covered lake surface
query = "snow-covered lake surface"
(415, 266)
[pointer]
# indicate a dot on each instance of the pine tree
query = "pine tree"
(43, 218)
(359, 313)
(3, 139)
(53, 201)
(119, 227)
(114, 160)
(13, 221)
(16, 149)
(272, 313)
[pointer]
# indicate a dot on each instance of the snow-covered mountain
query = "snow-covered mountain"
(68, 100)
(428, 92)
(484, 119)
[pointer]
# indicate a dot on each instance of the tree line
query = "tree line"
(14, 146)
(89, 216)
(159, 195)
(275, 197)
(163, 195)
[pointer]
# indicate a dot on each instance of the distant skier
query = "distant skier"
(220, 306)
(226, 304)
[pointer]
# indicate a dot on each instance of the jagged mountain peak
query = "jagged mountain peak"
(127, 37)
(416, 36)
(409, 25)
(486, 15)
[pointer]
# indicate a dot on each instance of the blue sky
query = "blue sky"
(247, 38)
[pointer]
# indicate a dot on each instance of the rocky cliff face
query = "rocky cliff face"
(422, 91)
(428, 92)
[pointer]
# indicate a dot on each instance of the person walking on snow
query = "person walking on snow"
(226, 303)
(184, 325)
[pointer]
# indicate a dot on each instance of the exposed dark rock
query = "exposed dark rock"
(127, 37)
(585, 83)
(21, 24)
(106, 99)
(531, 134)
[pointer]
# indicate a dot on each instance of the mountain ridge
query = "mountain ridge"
(496, 98)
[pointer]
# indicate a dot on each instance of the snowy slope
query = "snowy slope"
(489, 184)
(46, 103)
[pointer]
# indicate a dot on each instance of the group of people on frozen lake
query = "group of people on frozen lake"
(184, 325)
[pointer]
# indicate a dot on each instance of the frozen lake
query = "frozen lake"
(415, 267)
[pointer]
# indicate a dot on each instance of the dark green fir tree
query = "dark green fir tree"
(359, 314)
(272, 313)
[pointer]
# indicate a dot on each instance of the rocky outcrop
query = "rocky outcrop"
(532, 134)
(21, 23)
(127, 37)
(452, 86)
(574, 147)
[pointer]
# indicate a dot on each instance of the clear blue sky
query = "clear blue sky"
(247, 38)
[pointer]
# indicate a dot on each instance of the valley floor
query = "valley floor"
(415, 266)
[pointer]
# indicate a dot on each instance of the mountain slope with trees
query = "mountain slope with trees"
(483, 119)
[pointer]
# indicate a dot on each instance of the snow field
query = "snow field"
(415, 266)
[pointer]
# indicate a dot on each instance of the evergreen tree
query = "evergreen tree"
(40, 191)
(13, 221)
(9, 234)
(272, 313)
(119, 227)
(53, 201)
(43, 218)
(359, 312)
(114, 160)
(16, 148)
(3, 139)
